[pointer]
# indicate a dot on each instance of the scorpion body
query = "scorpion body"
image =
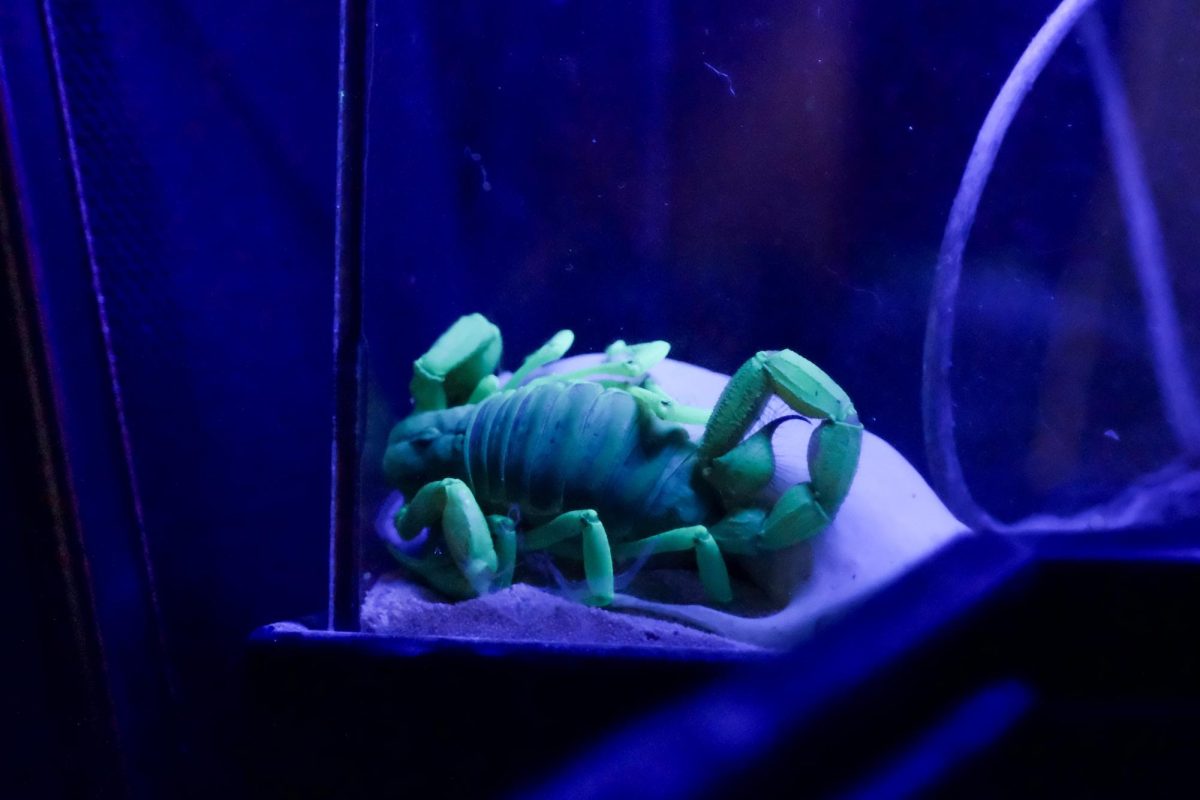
(595, 464)
(549, 448)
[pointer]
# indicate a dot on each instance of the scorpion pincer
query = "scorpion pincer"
(598, 466)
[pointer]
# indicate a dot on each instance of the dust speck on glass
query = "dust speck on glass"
(943, 263)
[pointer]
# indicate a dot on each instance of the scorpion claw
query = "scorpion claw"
(833, 451)
(451, 371)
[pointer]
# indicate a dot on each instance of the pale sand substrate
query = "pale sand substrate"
(522, 613)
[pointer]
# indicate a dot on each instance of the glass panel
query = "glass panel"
(743, 178)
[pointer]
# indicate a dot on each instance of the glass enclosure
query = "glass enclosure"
(737, 178)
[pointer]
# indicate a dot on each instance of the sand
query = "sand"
(521, 613)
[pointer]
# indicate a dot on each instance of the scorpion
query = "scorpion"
(595, 464)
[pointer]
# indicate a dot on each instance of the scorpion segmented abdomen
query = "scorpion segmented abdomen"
(477, 443)
(550, 447)
(506, 457)
(561, 447)
(553, 452)
(606, 439)
(526, 456)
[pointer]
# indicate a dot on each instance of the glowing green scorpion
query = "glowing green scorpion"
(597, 466)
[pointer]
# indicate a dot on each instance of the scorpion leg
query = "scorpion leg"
(597, 557)
(504, 532)
(441, 572)
(457, 367)
(468, 535)
(665, 407)
(438, 570)
(709, 562)
(806, 508)
(626, 360)
(552, 350)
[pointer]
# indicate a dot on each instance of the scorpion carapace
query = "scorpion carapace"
(595, 465)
